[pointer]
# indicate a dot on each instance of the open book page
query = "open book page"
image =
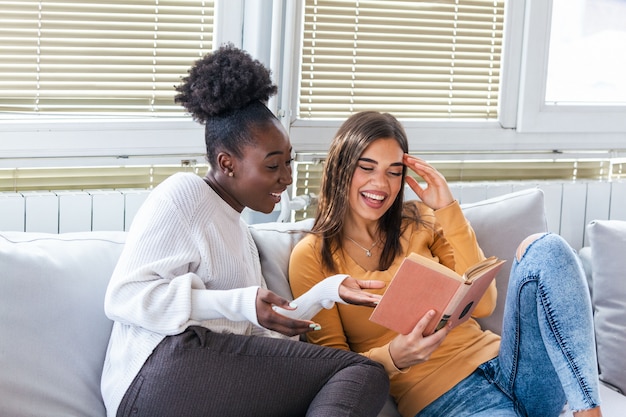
(481, 268)
(471, 273)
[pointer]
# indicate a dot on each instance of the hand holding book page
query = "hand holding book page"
(422, 284)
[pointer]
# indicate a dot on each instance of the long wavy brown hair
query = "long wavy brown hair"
(351, 140)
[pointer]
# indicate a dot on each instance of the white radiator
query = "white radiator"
(69, 211)
(569, 206)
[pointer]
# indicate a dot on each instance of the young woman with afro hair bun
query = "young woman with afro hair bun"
(196, 331)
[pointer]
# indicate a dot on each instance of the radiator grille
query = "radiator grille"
(569, 206)
(69, 211)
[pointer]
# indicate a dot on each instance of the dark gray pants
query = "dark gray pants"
(200, 373)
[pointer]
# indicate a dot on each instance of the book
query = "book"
(421, 284)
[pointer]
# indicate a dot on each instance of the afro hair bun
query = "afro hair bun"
(223, 81)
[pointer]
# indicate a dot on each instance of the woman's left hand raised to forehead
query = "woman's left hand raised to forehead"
(437, 193)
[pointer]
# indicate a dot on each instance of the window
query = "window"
(488, 86)
(360, 55)
(572, 69)
(523, 123)
(440, 71)
(88, 57)
(415, 59)
(587, 56)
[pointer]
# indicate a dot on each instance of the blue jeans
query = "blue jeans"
(547, 353)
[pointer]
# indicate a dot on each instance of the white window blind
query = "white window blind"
(111, 57)
(415, 59)
(90, 178)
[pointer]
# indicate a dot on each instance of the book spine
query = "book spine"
(453, 304)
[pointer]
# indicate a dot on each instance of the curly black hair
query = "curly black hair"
(227, 91)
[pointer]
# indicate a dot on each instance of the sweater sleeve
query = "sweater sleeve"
(153, 285)
(456, 247)
(236, 305)
(324, 294)
(383, 356)
(460, 236)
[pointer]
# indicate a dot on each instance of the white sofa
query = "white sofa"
(53, 331)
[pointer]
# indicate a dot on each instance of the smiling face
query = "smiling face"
(264, 170)
(377, 180)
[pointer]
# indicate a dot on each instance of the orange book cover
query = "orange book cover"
(422, 284)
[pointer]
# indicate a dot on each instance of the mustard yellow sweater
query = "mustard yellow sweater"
(450, 240)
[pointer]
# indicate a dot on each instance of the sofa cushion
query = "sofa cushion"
(607, 239)
(275, 241)
(501, 223)
(53, 327)
(584, 254)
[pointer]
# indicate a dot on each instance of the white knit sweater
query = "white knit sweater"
(189, 259)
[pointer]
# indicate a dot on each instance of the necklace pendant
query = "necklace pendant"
(368, 252)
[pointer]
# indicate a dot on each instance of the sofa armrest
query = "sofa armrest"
(53, 326)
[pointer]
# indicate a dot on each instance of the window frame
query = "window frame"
(63, 142)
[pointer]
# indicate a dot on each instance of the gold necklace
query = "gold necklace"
(368, 252)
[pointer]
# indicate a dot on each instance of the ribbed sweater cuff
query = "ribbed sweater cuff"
(236, 305)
